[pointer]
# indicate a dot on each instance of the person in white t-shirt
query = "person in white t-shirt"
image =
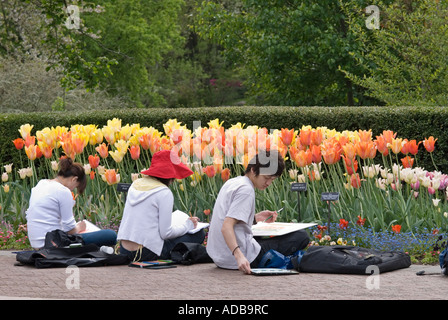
(51, 207)
(230, 242)
(146, 232)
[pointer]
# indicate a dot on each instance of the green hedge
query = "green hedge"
(409, 122)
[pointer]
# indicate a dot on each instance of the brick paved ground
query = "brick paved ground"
(207, 282)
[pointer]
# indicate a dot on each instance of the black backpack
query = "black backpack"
(85, 256)
(351, 260)
(189, 253)
(57, 253)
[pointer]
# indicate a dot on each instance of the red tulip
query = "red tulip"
(343, 224)
(396, 228)
(94, 161)
(19, 143)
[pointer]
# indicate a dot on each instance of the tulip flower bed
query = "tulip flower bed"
(377, 176)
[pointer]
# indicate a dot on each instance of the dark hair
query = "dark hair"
(68, 168)
(270, 163)
(166, 182)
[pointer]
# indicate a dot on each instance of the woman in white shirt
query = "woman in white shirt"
(51, 207)
(146, 232)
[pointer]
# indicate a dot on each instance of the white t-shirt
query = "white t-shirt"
(236, 199)
(50, 208)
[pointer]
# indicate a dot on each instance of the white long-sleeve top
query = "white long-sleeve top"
(50, 208)
(147, 215)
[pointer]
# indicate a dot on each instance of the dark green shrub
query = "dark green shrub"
(409, 122)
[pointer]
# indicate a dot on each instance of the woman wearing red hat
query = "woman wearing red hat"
(145, 231)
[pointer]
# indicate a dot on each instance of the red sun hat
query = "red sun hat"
(167, 165)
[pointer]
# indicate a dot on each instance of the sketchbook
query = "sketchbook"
(90, 227)
(156, 264)
(265, 229)
(179, 218)
(272, 271)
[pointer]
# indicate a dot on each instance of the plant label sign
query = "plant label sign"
(298, 186)
(330, 196)
(123, 187)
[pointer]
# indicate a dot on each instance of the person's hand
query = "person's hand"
(242, 262)
(266, 216)
(194, 220)
(81, 226)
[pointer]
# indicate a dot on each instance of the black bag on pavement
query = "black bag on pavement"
(351, 260)
(58, 238)
(85, 256)
(188, 253)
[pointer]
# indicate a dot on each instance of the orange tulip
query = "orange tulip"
(410, 147)
(396, 145)
(92, 175)
(30, 140)
(47, 151)
(303, 158)
(31, 152)
(102, 150)
(331, 151)
(287, 136)
(68, 148)
(293, 151)
(355, 181)
(177, 135)
(429, 144)
(135, 152)
(78, 144)
(111, 176)
(388, 136)
(331, 155)
(365, 136)
(351, 165)
(349, 150)
(305, 137)
(225, 174)
(316, 153)
(263, 141)
(407, 162)
(365, 149)
(381, 145)
(19, 143)
(38, 152)
(209, 171)
(316, 137)
(94, 161)
(342, 140)
(145, 141)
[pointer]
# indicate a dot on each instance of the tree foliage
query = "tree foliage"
(407, 57)
(291, 50)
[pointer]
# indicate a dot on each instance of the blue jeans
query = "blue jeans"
(168, 245)
(104, 237)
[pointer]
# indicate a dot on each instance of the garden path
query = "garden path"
(207, 282)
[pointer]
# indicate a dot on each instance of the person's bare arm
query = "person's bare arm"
(228, 233)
